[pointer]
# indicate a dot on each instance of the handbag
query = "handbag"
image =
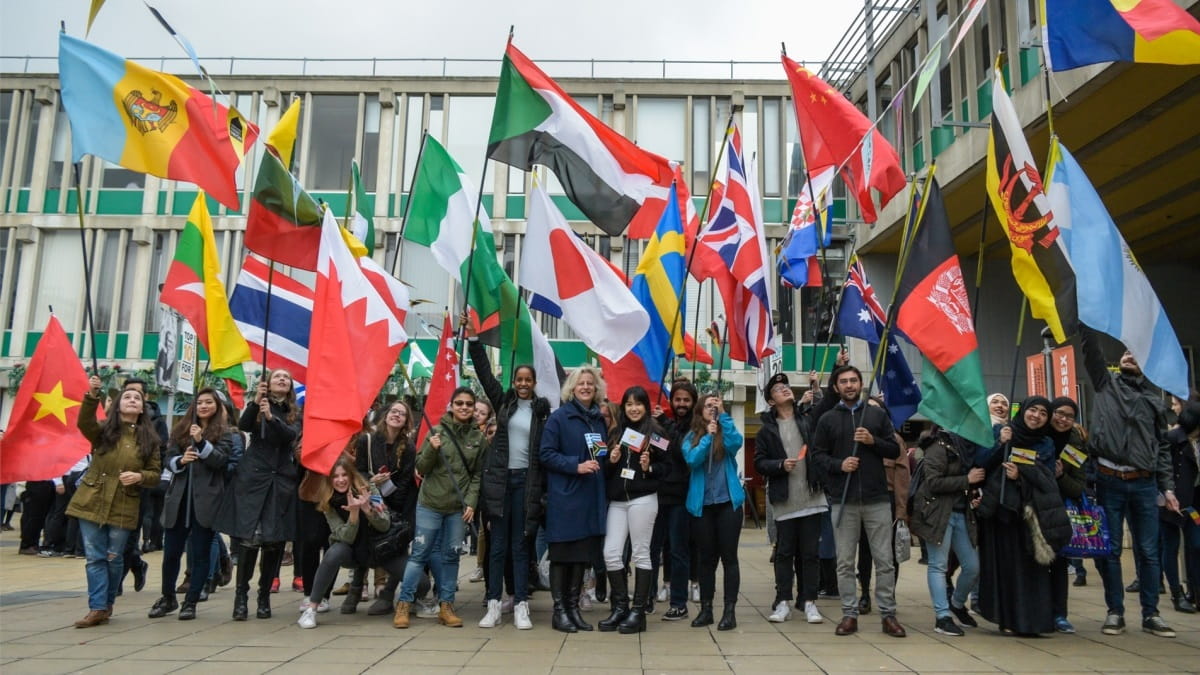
(393, 541)
(902, 542)
(1089, 530)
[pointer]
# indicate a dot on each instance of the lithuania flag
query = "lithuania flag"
(936, 315)
(284, 223)
(193, 287)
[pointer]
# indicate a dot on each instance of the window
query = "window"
(160, 256)
(118, 178)
(984, 58)
(31, 144)
(130, 289)
(104, 277)
(701, 145)
(17, 248)
(369, 162)
(412, 137)
(750, 146)
(770, 147)
(334, 123)
(660, 125)
(6, 114)
(59, 161)
(60, 279)
(467, 137)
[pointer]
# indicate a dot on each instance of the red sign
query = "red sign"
(1035, 374)
(1062, 366)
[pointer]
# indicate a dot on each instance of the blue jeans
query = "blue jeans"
(104, 547)
(958, 539)
(507, 534)
(197, 540)
(435, 533)
(1135, 501)
(679, 534)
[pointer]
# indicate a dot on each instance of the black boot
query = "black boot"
(264, 603)
(601, 588)
(187, 611)
(1181, 602)
(635, 621)
(246, 558)
(619, 598)
(240, 600)
(574, 588)
(272, 555)
(163, 606)
(560, 620)
(353, 597)
(704, 617)
(728, 620)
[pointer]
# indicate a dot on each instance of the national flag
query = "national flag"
(974, 9)
(149, 121)
(835, 133)
(658, 286)
(282, 139)
(797, 264)
(735, 236)
(443, 382)
(417, 363)
(43, 441)
(1039, 261)
(573, 282)
(1082, 32)
(362, 223)
(92, 12)
(290, 320)
(193, 288)
(358, 337)
(284, 222)
(935, 314)
(1114, 295)
(615, 183)
(861, 315)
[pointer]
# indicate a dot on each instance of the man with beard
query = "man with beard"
(672, 492)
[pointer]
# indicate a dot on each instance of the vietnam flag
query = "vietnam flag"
(42, 441)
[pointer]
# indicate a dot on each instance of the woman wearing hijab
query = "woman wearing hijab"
(999, 408)
(1070, 452)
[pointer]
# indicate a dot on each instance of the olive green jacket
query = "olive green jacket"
(100, 497)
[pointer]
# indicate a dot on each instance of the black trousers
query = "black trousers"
(56, 522)
(796, 541)
(716, 533)
(36, 503)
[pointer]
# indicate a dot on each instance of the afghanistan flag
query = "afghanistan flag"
(935, 314)
(284, 222)
(605, 174)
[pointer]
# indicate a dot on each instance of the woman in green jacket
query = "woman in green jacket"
(124, 460)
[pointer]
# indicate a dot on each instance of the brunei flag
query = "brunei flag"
(149, 121)
(1039, 260)
(936, 316)
(1082, 32)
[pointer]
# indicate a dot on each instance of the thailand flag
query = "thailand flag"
(291, 317)
(798, 253)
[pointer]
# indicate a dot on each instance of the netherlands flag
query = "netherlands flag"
(291, 317)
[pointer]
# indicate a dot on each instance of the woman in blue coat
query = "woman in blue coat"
(576, 507)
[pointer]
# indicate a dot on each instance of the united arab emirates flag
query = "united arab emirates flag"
(284, 222)
(615, 183)
(936, 315)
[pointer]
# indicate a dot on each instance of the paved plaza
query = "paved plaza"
(40, 598)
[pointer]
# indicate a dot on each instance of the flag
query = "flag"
(974, 9)
(282, 138)
(362, 224)
(443, 382)
(735, 235)
(1039, 261)
(797, 264)
(1082, 32)
(418, 364)
(284, 222)
(149, 121)
(92, 12)
(290, 321)
(1114, 296)
(935, 314)
(573, 282)
(658, 286)
(358, 337)
(43, 441)
(834, 133)
(193, 287)
(929, 68)
(615, 183)
(860, 315)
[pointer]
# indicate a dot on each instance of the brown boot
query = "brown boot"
(95, 617)
(400, 620)
(447, 617)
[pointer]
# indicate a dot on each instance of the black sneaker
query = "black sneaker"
(1114, 624)
(675, 614)
(946, 626)
(1154, 624)
(964, 617)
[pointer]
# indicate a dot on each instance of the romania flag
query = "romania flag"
(1083, 32)
(149, 121)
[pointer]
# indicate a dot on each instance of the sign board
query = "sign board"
(1035, 375)
(187, 363)
(168, 348)
(1062, 367)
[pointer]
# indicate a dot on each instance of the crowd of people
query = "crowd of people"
(574, 499)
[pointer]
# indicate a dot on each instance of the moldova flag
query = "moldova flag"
(1083, 32)
(149, 121)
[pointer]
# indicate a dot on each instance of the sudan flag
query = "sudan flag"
(284, 222)
(936, 315)
(614, 182)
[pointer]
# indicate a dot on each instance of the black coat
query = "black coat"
(833, 441)
(195, 490)
(643, 483)
(402, 493)
(262, 495)
(673, 484)
(1183, 463)
(943, 487)
(769, 453)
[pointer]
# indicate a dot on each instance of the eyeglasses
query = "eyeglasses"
(1064, 416)
(463, 404)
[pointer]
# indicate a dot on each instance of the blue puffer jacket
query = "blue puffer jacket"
(696, 455)
(576, 506)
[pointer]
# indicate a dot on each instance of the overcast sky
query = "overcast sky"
(749, 30)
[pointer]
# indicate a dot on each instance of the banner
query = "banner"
(1062, 366)
(187, 362)
(168, 352)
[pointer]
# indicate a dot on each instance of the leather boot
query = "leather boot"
(601, 588)
(240, 600)
(574, 588)
(560, 620)
(619, 598)
(704, 617)
(94, 617)
(353, 597)
(246, 557)
(728, 620)
(635, 621)
(446, 616)
(264, 603)
(1180, 600)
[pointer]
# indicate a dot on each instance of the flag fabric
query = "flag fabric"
(935, 314)
(614, 182)
(658, 286)
(282, 138)
(92, 12)
(443, 382)
(1082, 32)
(284, 222)
(358, 337)
(861, 315)
(290, 320)
(1114, 295)
(835, 133)
(149, 121)
(193, 288)
(797, 263)
(974, 9)
(417, 363)
(735, 236)
(362, 223)
(1039, 261)
(929, 68)
(571, 281)
(43, 441)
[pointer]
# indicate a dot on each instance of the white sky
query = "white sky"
(749, 30)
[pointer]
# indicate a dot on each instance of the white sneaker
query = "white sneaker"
(783, 611)
(506, 605)
(521, 616)
(305, 605)
(476, 576)
(664, 593)
(308, 619)
(427, 610)
(585, 602)
(695, 592)
(812, 614)
(323, 607)
(492, 618)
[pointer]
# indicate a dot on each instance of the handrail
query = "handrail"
(848, 59)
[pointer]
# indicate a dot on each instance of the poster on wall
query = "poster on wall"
(168, 355)
(187, 362)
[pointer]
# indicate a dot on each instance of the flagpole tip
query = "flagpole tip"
(783, 48)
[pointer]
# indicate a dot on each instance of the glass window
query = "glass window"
(130, 289)
(437, 116)
(104, 277)
(60, 279)
(6, 106)
(412, 137)
(59, 160)
(984, 57)
(701, 145)
(18, 248)
(369, 164)
(509, 257)
(750, 147)
(770, 147)
(334, 120)
(31, 144)
(660, 125)
(159, 260)
(116, 177)
(467, 137)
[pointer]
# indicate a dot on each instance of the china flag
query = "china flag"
(42, 441)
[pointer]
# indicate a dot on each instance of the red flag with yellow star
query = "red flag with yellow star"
(42, 441)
